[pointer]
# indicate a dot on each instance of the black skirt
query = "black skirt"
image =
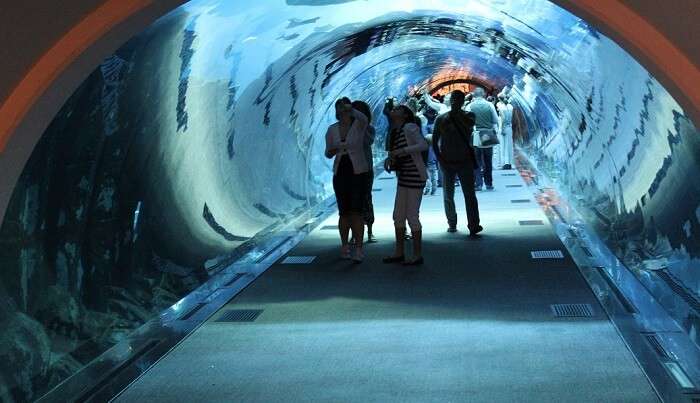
(350, 189)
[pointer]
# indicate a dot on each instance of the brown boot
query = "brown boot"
(417, 249)
(398, 255)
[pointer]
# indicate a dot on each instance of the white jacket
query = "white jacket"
(353, 145)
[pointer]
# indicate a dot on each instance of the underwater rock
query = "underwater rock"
(59, 311)
(25, 350)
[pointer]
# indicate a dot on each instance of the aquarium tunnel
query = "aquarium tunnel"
(180, 180)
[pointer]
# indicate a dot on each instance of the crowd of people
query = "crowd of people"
(425, 153)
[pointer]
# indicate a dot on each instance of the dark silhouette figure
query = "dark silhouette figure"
(452, 143)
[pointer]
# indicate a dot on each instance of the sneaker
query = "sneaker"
(489, 188)
(358, 257)
(475, 232)
(477, 188)
(452, 229)
(345, 252)
(371, 238)
(414, 262)
(432, 193)
(507, 167)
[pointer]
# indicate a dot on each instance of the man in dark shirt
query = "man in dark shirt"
(452, 143)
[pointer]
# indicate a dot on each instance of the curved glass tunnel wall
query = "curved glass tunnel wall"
(207, 130)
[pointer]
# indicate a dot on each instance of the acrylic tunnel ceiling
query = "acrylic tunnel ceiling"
(207, 130)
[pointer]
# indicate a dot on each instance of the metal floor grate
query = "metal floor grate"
(298, 259)
(376, 190)
(654, 342)
(386, 179)
(239, 315)
(520, 201)
(572, 310)
(509, 174)
(531, 222)
(192, 311)
(514, 186)
(679, 289)
(626, 304)
(330, 227)
(547, 254)
(586, 251)
(235, 278)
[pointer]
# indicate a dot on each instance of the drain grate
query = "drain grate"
(626, 304)
(192, 311)
(655, 343)
(514, 186)
(376, 190)
(520, 201)
(509, 174)
(572, 310)
(679, 289)
(586, 251)
(386, 178)
(235, 278)
(330, 227)
(547, 254)
(239, 315)
(298, 259)
(531, 222)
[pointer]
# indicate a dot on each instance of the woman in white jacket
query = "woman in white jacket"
(345, 142)
(406, 145)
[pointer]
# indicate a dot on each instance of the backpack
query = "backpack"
(456, 149)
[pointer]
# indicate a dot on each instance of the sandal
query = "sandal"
(393, 259)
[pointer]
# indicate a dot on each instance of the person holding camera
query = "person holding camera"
(406, 145)
(345, 142)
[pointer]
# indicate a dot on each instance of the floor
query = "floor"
(474, 324)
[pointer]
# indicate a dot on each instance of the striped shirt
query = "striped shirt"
(406, 169)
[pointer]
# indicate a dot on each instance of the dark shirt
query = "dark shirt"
(452, 137)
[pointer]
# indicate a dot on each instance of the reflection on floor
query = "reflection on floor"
(473, 324)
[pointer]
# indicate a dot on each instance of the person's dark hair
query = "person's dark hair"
(458, 94)
(341, 101)
(408, 114)
(364, 108)
(456, 99)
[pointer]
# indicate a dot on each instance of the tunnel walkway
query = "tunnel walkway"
(473, 324)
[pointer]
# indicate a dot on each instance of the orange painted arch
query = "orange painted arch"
(612, 14)
(59, 58)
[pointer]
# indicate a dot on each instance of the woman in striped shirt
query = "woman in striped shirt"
(405, 146)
